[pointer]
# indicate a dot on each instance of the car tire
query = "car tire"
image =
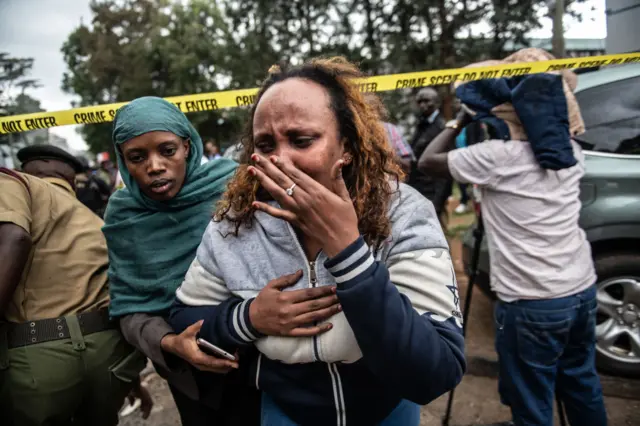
(609, 267)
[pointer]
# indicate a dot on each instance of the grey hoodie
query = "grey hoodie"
(400, 320)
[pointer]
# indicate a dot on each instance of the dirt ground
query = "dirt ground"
(476, 398)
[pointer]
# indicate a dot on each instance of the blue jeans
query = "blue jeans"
(405, 414)
(546, 345)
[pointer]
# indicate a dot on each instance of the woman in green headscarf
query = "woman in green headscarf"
(153, 227)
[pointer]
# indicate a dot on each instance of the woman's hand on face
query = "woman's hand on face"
(325, 214)
(275, 312)
(184, 345)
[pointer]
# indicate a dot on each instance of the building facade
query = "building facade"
(623, 31)
(574, 47)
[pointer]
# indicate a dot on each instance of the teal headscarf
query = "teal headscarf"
(152, 243)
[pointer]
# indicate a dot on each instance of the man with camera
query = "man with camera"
(541, 266)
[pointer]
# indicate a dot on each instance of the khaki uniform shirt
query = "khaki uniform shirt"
(66, 272)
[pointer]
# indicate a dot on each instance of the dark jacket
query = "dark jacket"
(398, 336)
(437, 190)
(92, 192)
(540, 105)
(145, 331)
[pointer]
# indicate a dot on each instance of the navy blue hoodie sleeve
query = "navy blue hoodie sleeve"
(405, 316)
(225, 325)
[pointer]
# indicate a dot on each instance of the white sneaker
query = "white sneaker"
(130, 408)
(461, 209)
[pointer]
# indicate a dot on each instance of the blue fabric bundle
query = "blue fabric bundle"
(540, 107)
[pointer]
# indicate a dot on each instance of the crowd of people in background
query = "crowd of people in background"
(307, 284)
(102, 177)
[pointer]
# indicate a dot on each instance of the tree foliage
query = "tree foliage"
(134, 48)
(144, 48)
(14, 83)
(14, 77)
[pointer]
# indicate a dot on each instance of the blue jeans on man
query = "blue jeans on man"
(548, 346)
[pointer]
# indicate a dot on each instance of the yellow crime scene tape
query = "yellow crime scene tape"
(245, 97)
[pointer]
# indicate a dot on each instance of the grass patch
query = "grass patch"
(457, 231)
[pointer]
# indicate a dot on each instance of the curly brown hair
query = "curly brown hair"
(359, 119)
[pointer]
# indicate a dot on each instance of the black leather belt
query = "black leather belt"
(47, 330)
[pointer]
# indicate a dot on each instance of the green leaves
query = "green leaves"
(134, 48)
(141, 48)
(14, 78)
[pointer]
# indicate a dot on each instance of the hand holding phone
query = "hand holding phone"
(185, 346)
(212, 349)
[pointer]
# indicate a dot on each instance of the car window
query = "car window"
(611, 114)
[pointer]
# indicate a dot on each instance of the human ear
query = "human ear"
(186, 143)
(346, 155)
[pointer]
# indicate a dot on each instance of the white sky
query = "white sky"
(38, 28)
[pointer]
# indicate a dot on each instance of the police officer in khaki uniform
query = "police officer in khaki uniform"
(62, 361)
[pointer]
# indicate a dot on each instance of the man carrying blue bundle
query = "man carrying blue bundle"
(542, 271)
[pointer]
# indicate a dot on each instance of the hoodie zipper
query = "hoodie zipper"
(334, 374)
(313, 281)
